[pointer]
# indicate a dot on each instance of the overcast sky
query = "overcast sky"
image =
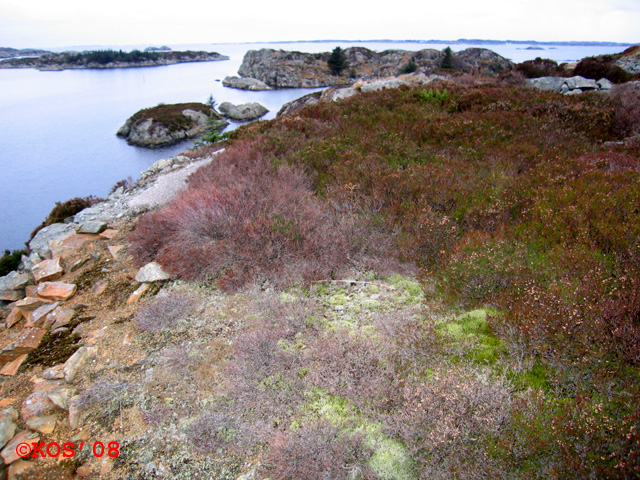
(58, 23)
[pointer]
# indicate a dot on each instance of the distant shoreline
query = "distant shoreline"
(461, 41)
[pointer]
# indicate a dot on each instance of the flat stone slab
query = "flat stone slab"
(92, 226)
(56, 290)
(47, 271)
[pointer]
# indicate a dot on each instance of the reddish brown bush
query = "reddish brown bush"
(626, 99)
(540, 67)
(243, 220)
(351, 365)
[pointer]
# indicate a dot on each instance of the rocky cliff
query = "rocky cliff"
(168, 124)
(283, 69)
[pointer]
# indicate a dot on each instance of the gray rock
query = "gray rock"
(92, 226)
(630, 64)
(74, 362)
(56, 231)
(547, 83)
(604, 84)
(298, 103)
(12, 286)
(246, 111)
(60, 396)
(151, 272)
(581, 83)
(7, 428)
(575, 91)
(245, 84)
(383, 84)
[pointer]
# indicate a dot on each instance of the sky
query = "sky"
(59, 23)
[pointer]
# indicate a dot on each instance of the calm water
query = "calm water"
(57, 129)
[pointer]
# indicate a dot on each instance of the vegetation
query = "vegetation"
(10, 261)
(409, 67)
(171, 116)
(520, 358)
(603, 66)
(540, 67)
(337, 61)
(447, 61)
(64, 210)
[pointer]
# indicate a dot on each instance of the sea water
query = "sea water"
(57, 129)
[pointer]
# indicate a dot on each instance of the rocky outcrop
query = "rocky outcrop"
(630, 60)
(284, 69)
(168, 124)
(570, 86)
(246, 111)
(245, 84)
(336, 94)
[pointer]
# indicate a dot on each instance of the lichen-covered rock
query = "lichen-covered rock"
(168, 124)
(246, 111)
(56, 231)
(245, 84)
(151, 272)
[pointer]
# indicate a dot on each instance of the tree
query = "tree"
(447, 61)
(337, 61)
(409, 67)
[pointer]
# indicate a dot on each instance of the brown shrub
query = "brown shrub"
(165, 311)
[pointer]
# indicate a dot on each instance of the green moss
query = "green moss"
(409, 291)
(473, 327)
(337, 300)
(536, 378)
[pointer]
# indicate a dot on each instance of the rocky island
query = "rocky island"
(286, 69)
(168, 124)
(7, 52)
(110, 59)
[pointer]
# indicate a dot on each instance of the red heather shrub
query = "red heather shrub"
(626, 100)
(601, 67)
(317, 451)
(243, 219)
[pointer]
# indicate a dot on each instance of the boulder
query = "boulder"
(56, 231)
(299, 103)
(581, 83)
(245, 84)
(246, 111)
(547, 83)
(604, 84)
(12, 286)
(151, 272)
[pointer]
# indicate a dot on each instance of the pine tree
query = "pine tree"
(337, 61)
(447, 61)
